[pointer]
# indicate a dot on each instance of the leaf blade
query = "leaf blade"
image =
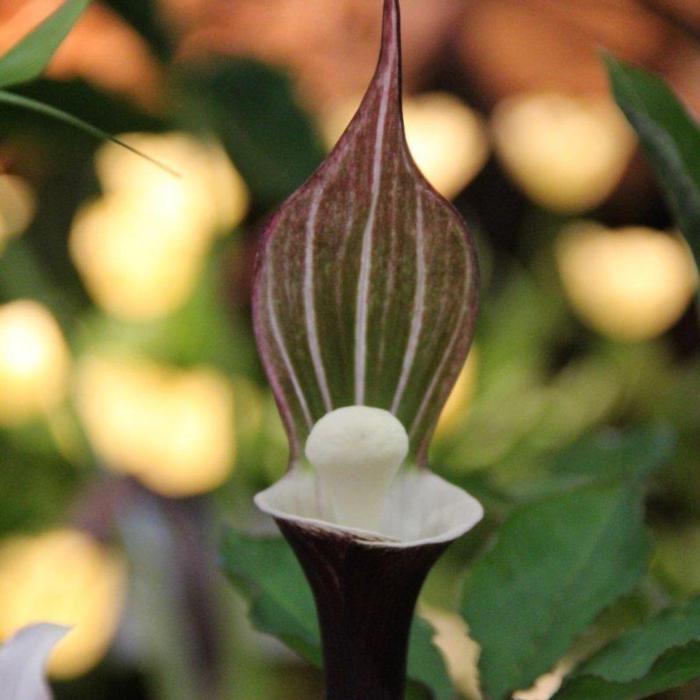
(670, 138)
(632, 656)
(30, 56)
(675, 668)
(556, 565)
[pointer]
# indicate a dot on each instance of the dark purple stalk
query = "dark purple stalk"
(365, 597)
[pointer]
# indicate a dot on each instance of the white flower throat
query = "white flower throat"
(356, 452)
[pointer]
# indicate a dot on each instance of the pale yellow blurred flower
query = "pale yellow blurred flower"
(34, 362)
(459, 400)
(629, 284)
(17, 207)
(172, 429)
(141, 246)
(448, 140)
(64, 577)
(567, 153)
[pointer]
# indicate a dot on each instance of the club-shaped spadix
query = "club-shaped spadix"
(357, 451)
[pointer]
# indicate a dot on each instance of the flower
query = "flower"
(22, 662)
(364, 304)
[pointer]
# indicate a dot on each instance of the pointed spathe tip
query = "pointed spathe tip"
(391, 36)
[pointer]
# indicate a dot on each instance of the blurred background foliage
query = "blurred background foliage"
(134, 415)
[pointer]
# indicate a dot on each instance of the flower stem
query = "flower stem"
(365, 597)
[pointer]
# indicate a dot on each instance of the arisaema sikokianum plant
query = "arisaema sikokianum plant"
(365, 298)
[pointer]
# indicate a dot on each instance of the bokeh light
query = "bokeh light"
(141, 246)
(631, 283)
(457, 405)
(34, 361)
(65, 577)
(17, 207)
(172, 429)
(448, 140)
(567, 153)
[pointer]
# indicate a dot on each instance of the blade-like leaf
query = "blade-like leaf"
(555, 566)
(675, 668)
(22, 661)
(10, 98)
(367, 287)
(670, 137)
(267, 573)
(28, 58)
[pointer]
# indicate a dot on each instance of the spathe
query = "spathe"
(23, 661)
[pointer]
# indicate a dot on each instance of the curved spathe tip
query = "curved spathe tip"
(23, 661)
(420, 509)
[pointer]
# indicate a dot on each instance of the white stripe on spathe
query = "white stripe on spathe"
(279, 340)
(368, 238)
(309, 304)
(418, 307)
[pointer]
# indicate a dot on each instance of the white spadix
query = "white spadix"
(357, 451)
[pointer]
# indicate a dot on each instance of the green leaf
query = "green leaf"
(252, 109)
(555, 566)
(281, 604)
(30, 56)
(425, 664)
(631, 656)
(367, 287)
(265, 570)
(670, 138)
(675, 668)
(603, 457)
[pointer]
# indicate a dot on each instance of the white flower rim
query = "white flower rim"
(421, 508)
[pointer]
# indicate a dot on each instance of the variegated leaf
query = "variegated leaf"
(367, 284)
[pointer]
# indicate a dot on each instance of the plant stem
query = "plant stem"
(365, 597)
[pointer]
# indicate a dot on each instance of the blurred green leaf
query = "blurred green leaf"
(670, 137)
(30, 56)
(252, 109)
(425, 664)
(144, 16)
(632, 656)
(677, 666)
(603, 456)
(555, 566)
(267, 573)
(37, 484)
